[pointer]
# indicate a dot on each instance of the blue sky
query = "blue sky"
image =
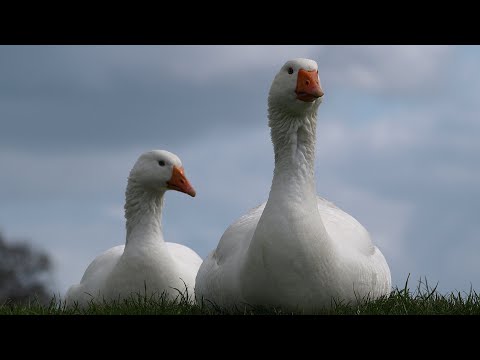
(397, 146)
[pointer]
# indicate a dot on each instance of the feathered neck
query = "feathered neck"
(143, 213)
(293, 137)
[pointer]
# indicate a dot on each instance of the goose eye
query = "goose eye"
(290, 70)
(161, 163)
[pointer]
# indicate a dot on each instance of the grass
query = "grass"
(423, 301)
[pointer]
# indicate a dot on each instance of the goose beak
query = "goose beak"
(308, 86)
(179, 182)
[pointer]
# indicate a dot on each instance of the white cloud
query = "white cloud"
(406, 68)
(219, 61)
(409, 69)
(375, 68)
(196, 63)
(50, 176)
(338, 138)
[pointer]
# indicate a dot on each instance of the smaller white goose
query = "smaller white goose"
(146, 263)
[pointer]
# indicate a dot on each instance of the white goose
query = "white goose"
(297, 250)
(146, 261)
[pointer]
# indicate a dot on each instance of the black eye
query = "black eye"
(161, 163)
(290, 70)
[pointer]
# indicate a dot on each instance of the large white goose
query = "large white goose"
(297, 250)
(146, 262)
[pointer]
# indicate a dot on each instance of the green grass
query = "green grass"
(422, 301)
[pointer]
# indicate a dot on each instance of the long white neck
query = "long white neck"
(293, 139)
(290, 226)
(143, 212)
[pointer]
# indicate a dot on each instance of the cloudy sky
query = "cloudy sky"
(397, 146)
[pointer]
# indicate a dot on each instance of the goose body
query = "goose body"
(297, 250)
(145, 264)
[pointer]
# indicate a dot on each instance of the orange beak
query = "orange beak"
(179, 182)
(308, 86)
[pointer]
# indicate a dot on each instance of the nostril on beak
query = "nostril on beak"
(307, 82)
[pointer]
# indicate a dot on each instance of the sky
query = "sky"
(397, 146)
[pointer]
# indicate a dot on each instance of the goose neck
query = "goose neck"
(143, 213)
(293, 140)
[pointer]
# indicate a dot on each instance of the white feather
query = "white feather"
(297, 250)
(146, 264)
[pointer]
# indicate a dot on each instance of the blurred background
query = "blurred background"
(397, 148)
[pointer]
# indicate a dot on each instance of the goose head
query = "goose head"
(159, 171)
(296, 88)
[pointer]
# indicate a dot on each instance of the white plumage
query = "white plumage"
(146, 264)
(297, 250)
